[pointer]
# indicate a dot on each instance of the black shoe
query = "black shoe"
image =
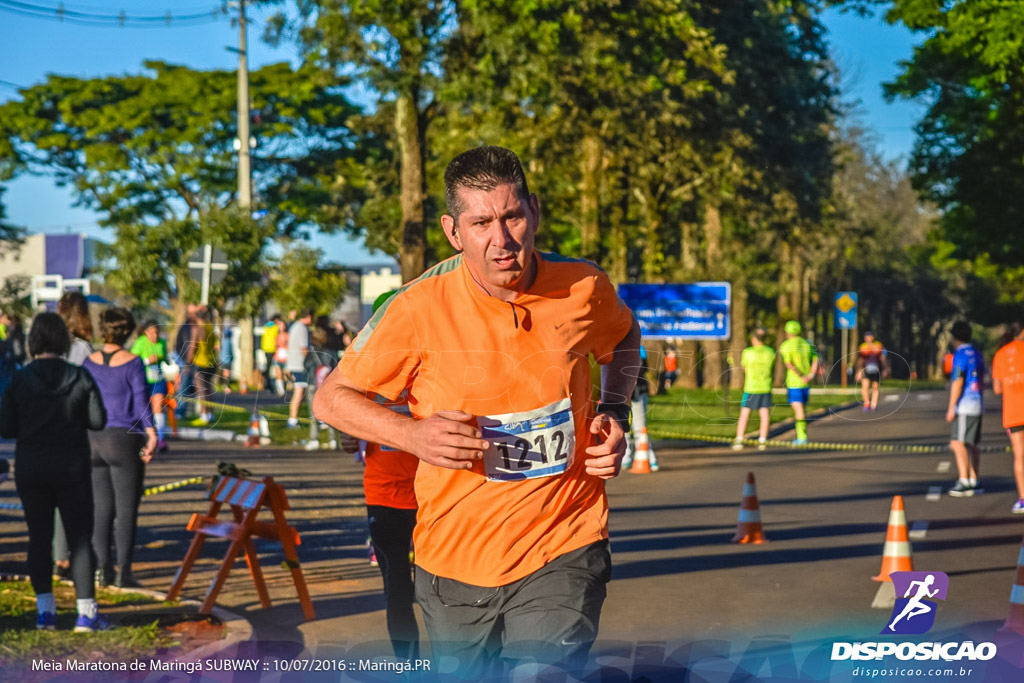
(126, 580)
(104, 577)
(62, 571)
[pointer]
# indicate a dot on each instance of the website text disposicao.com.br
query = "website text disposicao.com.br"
(869, 672)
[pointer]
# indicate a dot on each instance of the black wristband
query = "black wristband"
(622, 412)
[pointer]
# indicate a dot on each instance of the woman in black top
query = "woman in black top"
(49, 407)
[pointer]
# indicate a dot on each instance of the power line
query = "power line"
(12, 86)
(62, 13)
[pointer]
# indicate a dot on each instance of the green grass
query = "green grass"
(21, 642)
(713, 413)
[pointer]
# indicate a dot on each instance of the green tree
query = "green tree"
(299, 281)
(394, 48)
(153, 154)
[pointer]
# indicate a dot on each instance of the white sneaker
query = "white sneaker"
(292, 423)
(332, 444)
(737, 445)
(312, 446)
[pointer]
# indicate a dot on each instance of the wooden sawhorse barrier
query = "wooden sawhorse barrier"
(246, 498)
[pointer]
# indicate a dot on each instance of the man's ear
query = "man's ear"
(451, 231)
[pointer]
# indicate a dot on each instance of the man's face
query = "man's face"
(869, 338)
(151, 333)
(495, 233)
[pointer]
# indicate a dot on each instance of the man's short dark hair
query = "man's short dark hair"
(760, 334)
(49, 334)
(482, 168)
(962, 331)
(116, 325)
(306, 313)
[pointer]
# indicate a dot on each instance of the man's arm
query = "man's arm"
(448, 438)
(618, 379)
(997, 385)
(956, 389)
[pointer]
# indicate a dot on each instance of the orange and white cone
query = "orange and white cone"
(749, 529)
(254, 432)
(896, 554)
(1015, 621)
(642, 459)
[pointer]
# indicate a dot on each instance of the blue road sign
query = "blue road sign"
(697, 310)
(846, 310)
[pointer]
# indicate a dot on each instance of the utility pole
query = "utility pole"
(246, 345)
(244, 159)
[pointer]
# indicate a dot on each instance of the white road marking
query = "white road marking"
(891, 398)
(918, 530)
(924, 397)
(944, 466)
(885, 598)
(934, 493)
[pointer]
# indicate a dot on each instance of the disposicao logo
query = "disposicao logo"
(914, 613)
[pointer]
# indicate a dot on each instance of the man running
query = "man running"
(965, 409)
(870, 368)
(1008, 380)
(757, 362)
(916, 606)
(801, 362)
(492, 346)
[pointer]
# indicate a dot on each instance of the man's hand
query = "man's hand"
(950, 414)
(448, 438)
(606, 460)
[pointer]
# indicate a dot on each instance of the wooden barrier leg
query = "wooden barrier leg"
(292, 557)
(255, 572)
(186, 567)
(222, 575)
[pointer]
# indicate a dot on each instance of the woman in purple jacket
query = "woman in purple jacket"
(121, 450)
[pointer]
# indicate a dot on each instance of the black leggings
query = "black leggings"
(117, 478)
(41, 494)
(391, 534)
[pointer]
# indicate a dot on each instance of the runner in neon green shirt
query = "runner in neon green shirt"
(152, 349)
(758, 362)
(801, 362)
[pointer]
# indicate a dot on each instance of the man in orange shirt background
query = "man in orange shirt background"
(1008, 380)
(492, 347)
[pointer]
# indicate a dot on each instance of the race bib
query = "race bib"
(538, 443)
(153, 373)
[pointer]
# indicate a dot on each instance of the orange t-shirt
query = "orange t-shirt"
(1008, 367)
(389, 475)
(452, 347)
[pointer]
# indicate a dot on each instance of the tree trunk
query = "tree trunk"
(247, 352)
(618, 253)
(687, 357)
(409, 129)
(590, 189)
(738, 341)
(714, 358)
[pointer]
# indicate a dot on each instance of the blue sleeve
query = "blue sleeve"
(959, 366)
(141, 409)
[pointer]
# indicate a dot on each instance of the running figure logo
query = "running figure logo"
(914, 613)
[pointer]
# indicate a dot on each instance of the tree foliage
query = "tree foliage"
(299, 281)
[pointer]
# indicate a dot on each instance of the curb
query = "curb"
(775, 430)
(237, 629)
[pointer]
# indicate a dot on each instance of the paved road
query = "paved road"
(677, 579)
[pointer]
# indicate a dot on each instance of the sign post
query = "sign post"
(845, 314)
(210, 266)
(698, 310)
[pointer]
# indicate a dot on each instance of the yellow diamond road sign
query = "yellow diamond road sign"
(845, 303)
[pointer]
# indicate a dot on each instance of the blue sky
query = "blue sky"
(866, 50)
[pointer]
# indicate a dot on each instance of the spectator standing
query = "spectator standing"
(121, 450)
(205, 361)
(152, 349)
(298, 347)
(184, 355)
(48, 408)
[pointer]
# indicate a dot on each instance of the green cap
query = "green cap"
(793, 327)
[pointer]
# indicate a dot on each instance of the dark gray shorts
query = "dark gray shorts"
(550, 616)
(966, 429)
(756, 401)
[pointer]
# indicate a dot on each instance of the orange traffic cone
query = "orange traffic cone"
(896, 554)
(254, 432)
(1015, 622)
(749, 529)
(642, 460)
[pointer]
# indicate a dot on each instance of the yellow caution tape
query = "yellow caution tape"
(817, 446)
(164, 488)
